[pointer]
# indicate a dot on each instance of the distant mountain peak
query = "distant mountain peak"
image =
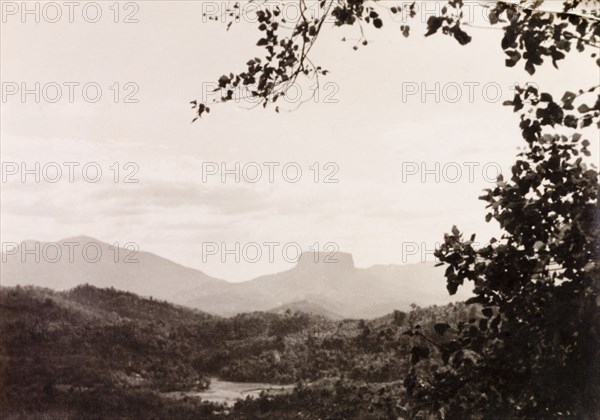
(325, 283)
(334, 261)
(102, 265)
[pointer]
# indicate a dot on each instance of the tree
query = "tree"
(531, 34)
(534, 350)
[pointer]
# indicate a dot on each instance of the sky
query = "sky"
(371, 133)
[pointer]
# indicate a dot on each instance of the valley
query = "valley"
(90, 352)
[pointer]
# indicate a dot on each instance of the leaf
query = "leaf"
(461, 36)
(405, 30)
(510, 36)
(568, 97)
(493, 17)
(514, 57)
(223, 80)
(434, 23)
(452, 288)
(530, 67)
(476, 300)
(556, 56)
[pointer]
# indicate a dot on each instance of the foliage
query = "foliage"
(533, 31)
(101, 352)
(532, 350)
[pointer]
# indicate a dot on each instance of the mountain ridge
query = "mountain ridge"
(318, 280)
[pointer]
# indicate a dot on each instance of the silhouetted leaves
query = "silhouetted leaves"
(434, 23)
(530, 35)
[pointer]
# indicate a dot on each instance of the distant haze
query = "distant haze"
(368, 130)
(336, 290)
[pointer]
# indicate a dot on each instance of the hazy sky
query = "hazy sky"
(367, 130)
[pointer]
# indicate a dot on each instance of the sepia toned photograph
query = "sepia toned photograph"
(300, 209)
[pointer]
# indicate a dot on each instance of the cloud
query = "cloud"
(163, 195)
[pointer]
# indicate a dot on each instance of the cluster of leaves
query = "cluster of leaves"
(542, 111)
(533, 34)
(287, 47)
(449, 22)
(533, 351)
(530, 32)
(286, 58)
(530, 35)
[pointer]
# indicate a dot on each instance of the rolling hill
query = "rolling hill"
(308, 308)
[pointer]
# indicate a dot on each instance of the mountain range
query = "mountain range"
(336, 290)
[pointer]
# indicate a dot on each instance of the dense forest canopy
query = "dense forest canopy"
(108, 353)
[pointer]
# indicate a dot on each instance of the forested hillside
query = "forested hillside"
(101, 352)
